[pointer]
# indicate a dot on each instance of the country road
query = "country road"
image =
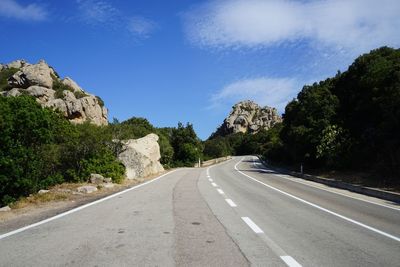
(237, 213)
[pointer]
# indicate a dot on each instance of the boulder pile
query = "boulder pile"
(42, 82)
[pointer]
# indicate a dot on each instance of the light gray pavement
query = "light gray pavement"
(218, 216)
(311, 236)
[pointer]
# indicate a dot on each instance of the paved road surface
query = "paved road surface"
(234, 214)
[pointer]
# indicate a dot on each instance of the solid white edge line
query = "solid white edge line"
(288, 177)
(220, 191)
(252, 225)
(290, 261)
(321, 208)
(334, 192)
(80, 207)
(231, 203)
(214, 184)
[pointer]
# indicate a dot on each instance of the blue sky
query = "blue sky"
(190, 61)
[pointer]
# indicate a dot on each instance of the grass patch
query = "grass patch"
(36, 199)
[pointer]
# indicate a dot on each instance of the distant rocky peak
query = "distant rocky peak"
(42, 82)
(248, 117)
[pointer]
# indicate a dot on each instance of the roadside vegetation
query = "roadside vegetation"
(40, 148)
(346, 123)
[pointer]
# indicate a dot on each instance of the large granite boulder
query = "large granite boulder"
(41, 81)
(37, 74)
(248, 117)
(141, 157)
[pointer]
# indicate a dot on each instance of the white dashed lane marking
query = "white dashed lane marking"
(231, 203)
(290, 261)
(252, 225)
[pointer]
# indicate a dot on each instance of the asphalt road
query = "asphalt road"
(237, 213)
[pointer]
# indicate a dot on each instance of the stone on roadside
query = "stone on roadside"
(6, 208)
(96, 178)
(108, 185)
(108, 180)
(62, 190)
(87, 189)
(141, 157)
(43, 191)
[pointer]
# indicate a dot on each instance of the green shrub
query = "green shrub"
(104, 164)
(59, 87)
(79, 94)
(30, 155)
(101, 102)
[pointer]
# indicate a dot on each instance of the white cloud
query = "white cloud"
(273, 92)
(31, 12)
(97, 11)
(103, 13)
(140, 26)
(357, 25)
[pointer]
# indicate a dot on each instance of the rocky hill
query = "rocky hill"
(42, 82)
(248, 117)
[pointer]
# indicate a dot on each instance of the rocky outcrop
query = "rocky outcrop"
(42, 82)
(248, 117)
(141, 157)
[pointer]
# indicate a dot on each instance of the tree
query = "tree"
(187, 146)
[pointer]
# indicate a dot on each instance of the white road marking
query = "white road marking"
(252, 225)
(291, 178)
(231, 203)
(220, 191)
(81, 207)
(321, 208)
(214, 184)
(210, 179)
(290, 261)
(335, 192)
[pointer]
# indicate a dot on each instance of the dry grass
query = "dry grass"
(37, 199)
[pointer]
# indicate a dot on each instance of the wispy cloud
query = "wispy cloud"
(340, 24)
(141, 27)
(103, 13)
(274, 92)
(31, 12)
(325, 35)
(97, 11)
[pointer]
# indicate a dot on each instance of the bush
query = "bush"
(40, 148)
(59, 87)
(30, 151)
(104, 164)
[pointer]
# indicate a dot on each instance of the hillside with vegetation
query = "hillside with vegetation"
(349, 122)
(44, 144)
